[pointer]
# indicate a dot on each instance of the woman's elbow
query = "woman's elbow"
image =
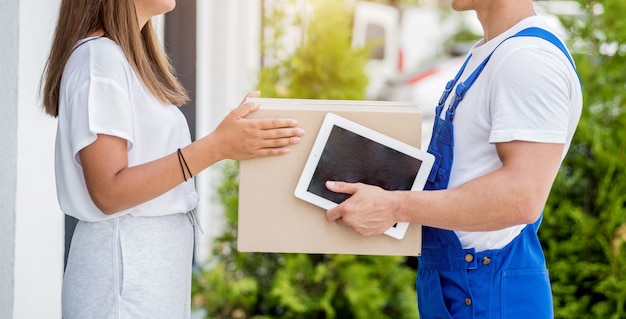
(104, 202)
(105, 208)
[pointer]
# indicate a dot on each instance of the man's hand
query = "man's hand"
(369, 211)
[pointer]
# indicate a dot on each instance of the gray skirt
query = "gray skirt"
(130, 267)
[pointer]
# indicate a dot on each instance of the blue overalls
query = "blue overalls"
(453, 282)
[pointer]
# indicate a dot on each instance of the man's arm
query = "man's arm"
(511, 195)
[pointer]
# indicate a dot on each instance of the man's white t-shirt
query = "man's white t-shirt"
(528, 91)
(101, 94)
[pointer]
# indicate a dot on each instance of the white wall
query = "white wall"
(8, 155)
(39, 222)
(31, 252)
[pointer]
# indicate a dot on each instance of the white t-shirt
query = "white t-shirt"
(528, 91)
(101, 94)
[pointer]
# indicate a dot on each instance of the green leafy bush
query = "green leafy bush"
(259, 285)
(324, 64)
(584, 229)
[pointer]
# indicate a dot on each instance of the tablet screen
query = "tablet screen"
(349, 157)
(346, 151)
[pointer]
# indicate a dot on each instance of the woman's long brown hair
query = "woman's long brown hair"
(118, 20)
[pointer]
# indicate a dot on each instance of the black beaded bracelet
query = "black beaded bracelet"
(181, 160)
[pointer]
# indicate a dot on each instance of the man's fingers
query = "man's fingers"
(336, 213)
(333, 214)
(342, 187)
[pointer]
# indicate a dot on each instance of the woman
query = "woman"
(124, 160)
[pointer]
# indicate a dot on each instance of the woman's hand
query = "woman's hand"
(240, 138)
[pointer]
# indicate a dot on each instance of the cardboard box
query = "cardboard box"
(272, 219)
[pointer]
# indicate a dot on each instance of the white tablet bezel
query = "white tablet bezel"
(330, 120)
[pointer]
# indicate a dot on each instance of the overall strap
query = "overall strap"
(464, 86)
(450, 85)
(548, 36)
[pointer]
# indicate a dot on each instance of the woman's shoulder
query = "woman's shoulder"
(100, 48)
(99, 57)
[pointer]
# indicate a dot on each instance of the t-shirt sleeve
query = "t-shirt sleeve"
(102, 103)
(531, 106)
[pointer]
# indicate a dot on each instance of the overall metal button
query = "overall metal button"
(486, 260)
(468, 301)
(469, 258)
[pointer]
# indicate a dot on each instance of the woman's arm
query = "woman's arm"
(113, 186)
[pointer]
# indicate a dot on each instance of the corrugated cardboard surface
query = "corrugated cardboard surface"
(272, 219)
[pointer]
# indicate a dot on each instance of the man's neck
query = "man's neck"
(500, 15)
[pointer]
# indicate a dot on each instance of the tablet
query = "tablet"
(347, 151)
